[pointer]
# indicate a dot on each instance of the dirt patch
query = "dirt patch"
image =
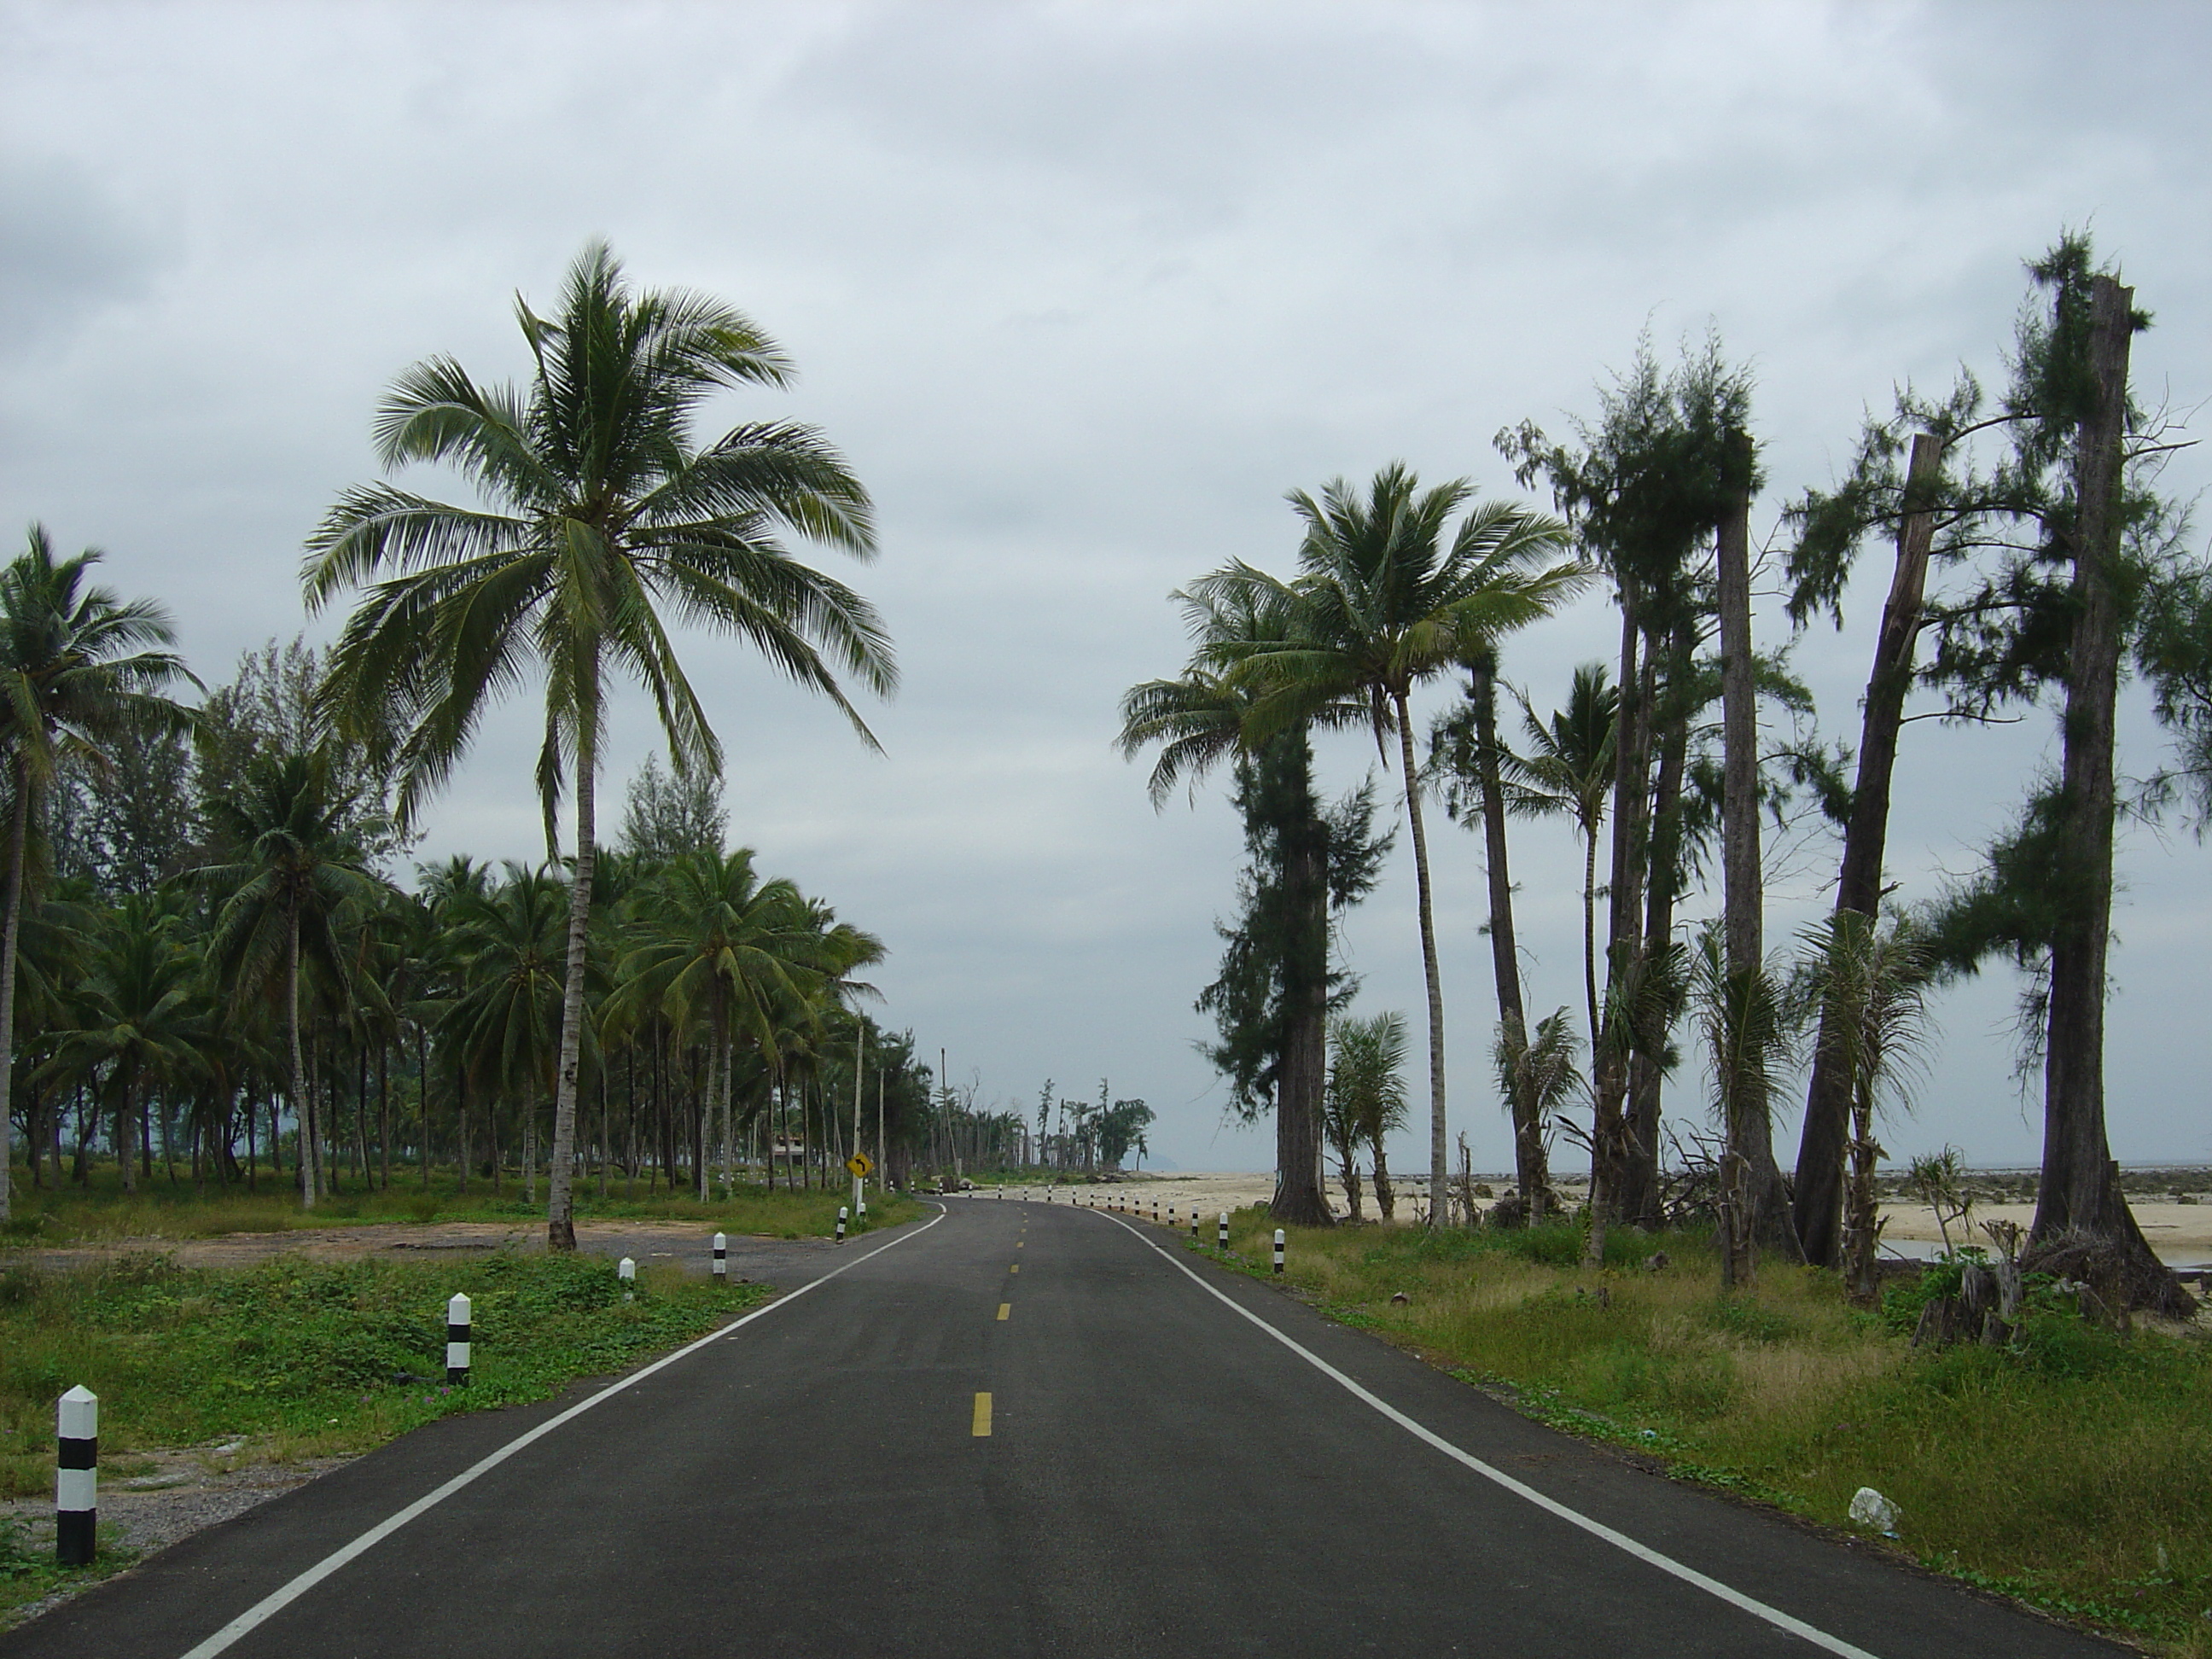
(172, 1494)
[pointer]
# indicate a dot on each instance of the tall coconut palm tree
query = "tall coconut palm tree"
(295, 866)
(1567, 770)
(603, 520)
(78, 669)
(1386, 604)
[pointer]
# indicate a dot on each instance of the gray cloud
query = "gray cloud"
(1083, 289)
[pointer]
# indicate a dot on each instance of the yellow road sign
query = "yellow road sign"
(861, 1164)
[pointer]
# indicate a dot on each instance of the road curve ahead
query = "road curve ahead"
(1018, 1428)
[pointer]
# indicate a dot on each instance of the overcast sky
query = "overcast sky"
(1082, 291)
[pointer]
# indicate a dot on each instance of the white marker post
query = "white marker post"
(1221, 1233)
(842, 1219)
(1194, 1223)
(1278, 1249)
(626, 1271)
(76, 1477)
(457, 1341)
(721, 1258)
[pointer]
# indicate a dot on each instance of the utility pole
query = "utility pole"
(860, 1077)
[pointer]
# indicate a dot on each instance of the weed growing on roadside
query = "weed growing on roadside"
(2072, 1468)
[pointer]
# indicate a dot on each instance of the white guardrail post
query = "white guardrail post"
(76, 1477)
(457, 1341)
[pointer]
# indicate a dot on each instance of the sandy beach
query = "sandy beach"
(2180, 1232)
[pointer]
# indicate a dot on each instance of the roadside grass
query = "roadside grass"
(160, 1209)
(291, 1359)
(2073, 1471)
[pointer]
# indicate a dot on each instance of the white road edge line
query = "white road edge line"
(1619, 1541)
(277, 1600)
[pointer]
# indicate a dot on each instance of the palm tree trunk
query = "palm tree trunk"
(384, 1110)
(1347, 1158)
(303, 1106)
(1819, 1198)
(1590, 930)
(126, 1133)
(461, 1121)
(422, 1100)
(11, 924)
(1439, 1164)
(561, 1221)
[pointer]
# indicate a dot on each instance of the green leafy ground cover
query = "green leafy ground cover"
(2073, 1470)
(294, 1358)
(163, 1209)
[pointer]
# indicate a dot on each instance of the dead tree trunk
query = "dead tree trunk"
(1750, 1154)
(1530, 1174)
(1632, 800)
(1818, 1207)
(2080, 1190)
(1639, 1196)
(1301, 1199)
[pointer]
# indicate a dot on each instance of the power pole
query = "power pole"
(860, 1075)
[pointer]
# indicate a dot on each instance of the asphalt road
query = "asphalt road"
(1164, 1473)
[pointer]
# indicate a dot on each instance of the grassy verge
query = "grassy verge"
(295, 1359)
(2074, 1471)
(160, 1209)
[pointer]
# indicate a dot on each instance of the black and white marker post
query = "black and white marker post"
(1278, 1249)
(76, 1476)
(457, 1341)
(841, 1223)
(626, 1271)
(1221, 1233)
(1194, 1223)
(721, 1258)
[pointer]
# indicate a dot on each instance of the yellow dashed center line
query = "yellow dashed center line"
(1016, 1268)
(981, 1428)
(1005, 1307)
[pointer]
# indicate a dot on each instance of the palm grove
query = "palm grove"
(2034, 565)
(205, 953)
